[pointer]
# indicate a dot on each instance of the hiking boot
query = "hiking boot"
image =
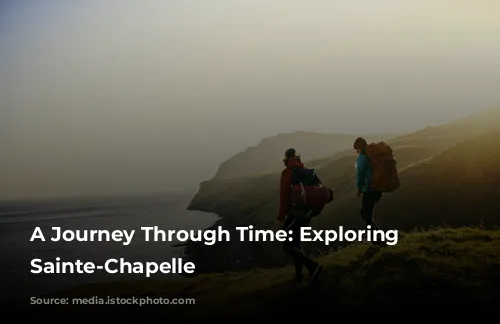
(315, 273)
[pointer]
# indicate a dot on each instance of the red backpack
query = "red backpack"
(385, 173)
(308, 191)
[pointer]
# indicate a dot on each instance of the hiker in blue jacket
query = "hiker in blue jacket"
(369, 196)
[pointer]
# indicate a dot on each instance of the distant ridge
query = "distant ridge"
(266, 156)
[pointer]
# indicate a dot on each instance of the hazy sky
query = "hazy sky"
(132, 95)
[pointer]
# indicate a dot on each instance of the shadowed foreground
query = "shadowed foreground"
(445, 273)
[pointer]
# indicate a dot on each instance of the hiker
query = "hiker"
(292, 218)
(369, 196)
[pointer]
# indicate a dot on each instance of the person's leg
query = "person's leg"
(367, 207)
(296, 252)
(369, 201)
(376, 196)
(314, 268)
(294, 249)
(289, 247)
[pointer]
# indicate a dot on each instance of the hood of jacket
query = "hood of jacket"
(295, 162)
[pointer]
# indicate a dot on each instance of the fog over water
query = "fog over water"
(137, 96)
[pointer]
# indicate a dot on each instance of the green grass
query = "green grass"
(439, 269)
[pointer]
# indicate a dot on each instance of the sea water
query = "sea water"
(18, 221)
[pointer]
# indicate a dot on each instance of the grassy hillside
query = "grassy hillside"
(437, 187)
(219, 195)
(455, 187)
(444, 273)
(266, 156)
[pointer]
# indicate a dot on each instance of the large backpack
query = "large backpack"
(385, 176)
(308, 191)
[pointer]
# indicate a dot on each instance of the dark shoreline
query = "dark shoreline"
(19, 219)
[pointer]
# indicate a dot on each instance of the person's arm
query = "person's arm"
(285, 183)
(360, 172)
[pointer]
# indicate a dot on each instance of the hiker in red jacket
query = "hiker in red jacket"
(291, 219)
